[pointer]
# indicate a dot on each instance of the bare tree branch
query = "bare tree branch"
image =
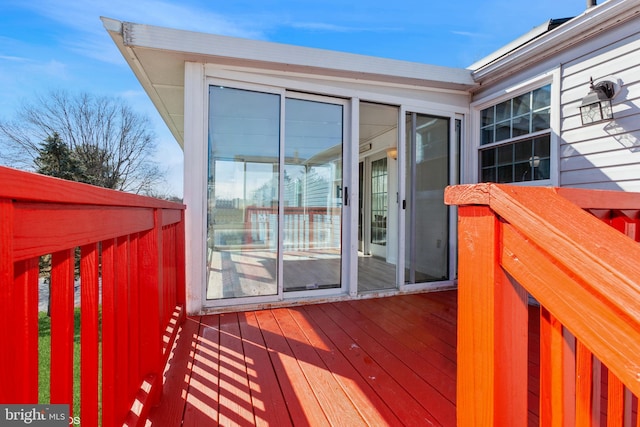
(114, 143)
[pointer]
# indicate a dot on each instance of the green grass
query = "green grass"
(44, 359)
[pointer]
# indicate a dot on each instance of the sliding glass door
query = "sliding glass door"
(313, 195)
(275, 194)
(426, 215)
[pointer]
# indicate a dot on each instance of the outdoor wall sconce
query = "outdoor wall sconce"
(393, 153)
(596, 106)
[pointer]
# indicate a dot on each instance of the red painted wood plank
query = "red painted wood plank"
(89, 295)
(551, 375)
(303, 406)
(7, 304)
(201, 408)
(126, 394)
(20, 185)
(25, 325)
(180, 261)
(409, 340)
(440, 409)
(268, 402)
(150, 308)
(48, 228)
(135, 373)
(410, 411)
(483, 342)
(335, 403)
(171, 216)
(109, 345)
(366, 401)
(415, 332)
(615, 402)
(177, 374)
(235, 407)
(62, 326)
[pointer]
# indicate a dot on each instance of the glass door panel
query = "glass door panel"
(312, 223)
(242, 208)
(379, 207)
(426, 215)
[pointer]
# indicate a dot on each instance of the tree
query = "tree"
(55, 159)
(113, 144)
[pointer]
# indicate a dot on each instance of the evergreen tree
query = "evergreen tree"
(56, 159)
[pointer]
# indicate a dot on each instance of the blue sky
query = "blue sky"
(61, 44)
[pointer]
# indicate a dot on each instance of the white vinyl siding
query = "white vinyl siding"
(603, 155)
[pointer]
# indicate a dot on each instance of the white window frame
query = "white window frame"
(471, 168)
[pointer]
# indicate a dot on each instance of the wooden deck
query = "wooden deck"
(388, 361)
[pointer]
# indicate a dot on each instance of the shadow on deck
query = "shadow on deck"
(388, 361)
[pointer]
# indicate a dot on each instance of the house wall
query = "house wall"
(601, 155)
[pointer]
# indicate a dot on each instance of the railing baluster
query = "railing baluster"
(89, 358)
(584, 385)
(615, 401)
(551, 372)
(109, 344)
(124, 398)
(150, 309)
(25, 304)
(62, 327)
(135, 375)
(8, 334)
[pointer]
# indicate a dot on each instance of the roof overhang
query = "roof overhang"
(157, 56)
(504, 62)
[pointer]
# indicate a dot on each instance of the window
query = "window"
(515, 138)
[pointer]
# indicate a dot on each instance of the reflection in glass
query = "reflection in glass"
(242, 203)
(426, 217)
(379, 202)
(312, 227)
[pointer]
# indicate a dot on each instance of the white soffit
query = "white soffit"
(157, 56)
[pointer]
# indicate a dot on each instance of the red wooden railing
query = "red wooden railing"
(561, 246)
(131, 274)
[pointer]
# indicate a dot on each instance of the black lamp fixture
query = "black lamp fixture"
(596, 106)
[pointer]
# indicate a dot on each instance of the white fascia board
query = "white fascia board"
(209, 47)
(116, 31)
(592, 22)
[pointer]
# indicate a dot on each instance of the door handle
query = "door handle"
(346, 196)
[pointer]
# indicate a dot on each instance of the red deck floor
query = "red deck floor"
(388, 361)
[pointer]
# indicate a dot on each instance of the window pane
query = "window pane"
(542, 146)
(541, 120)
(488, 157)
(488, 116)
(521, 126)
(312, 226)
(543, 169)
(505, 154)
(503, 111)
(523, 151)
(242, 205)
(542, 97)
(522, 172)
(522, 104)
(487, 135)
(505, 174)
(489, 175)
(503, 131)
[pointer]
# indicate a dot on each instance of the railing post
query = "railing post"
(492, 327)
(150, 309)
(180, 261)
